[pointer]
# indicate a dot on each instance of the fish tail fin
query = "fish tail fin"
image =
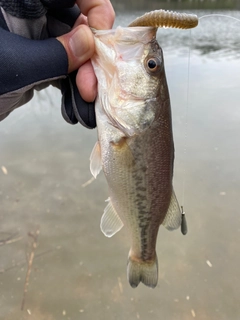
(142, 271)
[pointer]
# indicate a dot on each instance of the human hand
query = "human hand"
(79, 43)
(32, 58)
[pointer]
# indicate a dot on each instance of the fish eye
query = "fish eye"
(153, 64)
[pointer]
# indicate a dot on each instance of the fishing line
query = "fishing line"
(218, 15)
(187, 107)
(186, 124)
(184, 228)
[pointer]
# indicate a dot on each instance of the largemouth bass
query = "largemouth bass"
(135, 142)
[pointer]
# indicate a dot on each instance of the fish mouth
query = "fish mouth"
(125, 35)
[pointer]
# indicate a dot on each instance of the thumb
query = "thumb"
(79, 46)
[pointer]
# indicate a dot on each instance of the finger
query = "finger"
(79, 46)
(82, 19)
(87, 82)
(100, 13)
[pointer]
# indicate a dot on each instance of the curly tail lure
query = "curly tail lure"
(166, 19)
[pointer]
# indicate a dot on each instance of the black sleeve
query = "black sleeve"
(58, 4)
(33, 9)
(66, 15)
(25, 62)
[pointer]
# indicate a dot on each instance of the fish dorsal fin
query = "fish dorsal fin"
(110, 222)
(95, 160)
(173, 217)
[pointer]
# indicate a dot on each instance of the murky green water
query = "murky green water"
(77, 273)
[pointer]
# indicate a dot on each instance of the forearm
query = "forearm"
(26, 62)
(30, 62)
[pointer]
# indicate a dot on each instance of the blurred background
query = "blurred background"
(177, 4)
(48, 209)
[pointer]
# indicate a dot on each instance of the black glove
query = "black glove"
(72, 106)
(31, 59)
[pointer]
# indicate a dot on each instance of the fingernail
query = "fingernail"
(79, 43)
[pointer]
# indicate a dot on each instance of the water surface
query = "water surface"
(77, 273)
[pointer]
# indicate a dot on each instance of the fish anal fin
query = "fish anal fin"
(110, 221)
(173, 218)
(95, 160)
(142, 271)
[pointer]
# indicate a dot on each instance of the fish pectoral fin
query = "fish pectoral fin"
(173, 217)
(95, 160)
(110, 221)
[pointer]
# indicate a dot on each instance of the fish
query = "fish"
(135, 147)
